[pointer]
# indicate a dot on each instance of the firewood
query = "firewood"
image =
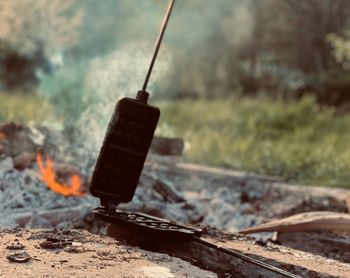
(309, 221)
(23, 160)
(167, 190)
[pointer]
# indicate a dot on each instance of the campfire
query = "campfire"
(49, 177)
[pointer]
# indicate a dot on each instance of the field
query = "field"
(24, 108)
(298, 141)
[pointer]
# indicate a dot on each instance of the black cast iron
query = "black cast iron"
(127, 141)
(145, 221)
(123, 153)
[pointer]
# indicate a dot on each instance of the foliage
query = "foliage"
(217, 47)
(262, 46)
(334, 89)
(33, 33)
(341, 49)
(28, 25)
(298, 141)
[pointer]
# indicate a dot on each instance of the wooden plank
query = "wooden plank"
(297, 262)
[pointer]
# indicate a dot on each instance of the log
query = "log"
(165, 188)
(298, 262)
(167, 146)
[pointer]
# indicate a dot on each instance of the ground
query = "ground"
(88, 256)
(78, 253)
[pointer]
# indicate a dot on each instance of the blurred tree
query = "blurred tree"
(208, 49)
(32, 31)
(341, 49)
(295, 32)
(28, 25)
(275, 46)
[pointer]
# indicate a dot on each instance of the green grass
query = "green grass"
(23, 108)
(297, 141)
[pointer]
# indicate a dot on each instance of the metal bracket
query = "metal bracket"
(146, 221)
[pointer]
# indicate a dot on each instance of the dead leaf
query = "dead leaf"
(309, 221)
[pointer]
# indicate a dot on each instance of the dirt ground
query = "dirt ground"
(304, 264)
(82, 254)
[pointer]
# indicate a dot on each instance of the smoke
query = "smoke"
(237, 26)
(86, 93)
(117, 75)
(206, 40)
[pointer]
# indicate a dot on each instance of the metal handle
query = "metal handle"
(159, 42)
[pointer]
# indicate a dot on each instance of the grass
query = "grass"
(23, 108)
(297, 141)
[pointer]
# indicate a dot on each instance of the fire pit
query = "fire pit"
(32, 192)
(36, 165)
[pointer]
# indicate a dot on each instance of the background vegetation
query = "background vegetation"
(258, 85)
(298, 141)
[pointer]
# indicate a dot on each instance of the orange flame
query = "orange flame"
(49, 177)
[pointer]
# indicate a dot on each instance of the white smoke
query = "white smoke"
(120, 74)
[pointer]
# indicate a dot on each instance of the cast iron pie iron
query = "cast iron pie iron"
(120, 163)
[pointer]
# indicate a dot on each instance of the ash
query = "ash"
(24, 192)
(223, 199)
(25, 200)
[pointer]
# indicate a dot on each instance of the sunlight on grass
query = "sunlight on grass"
(297, 141)
(23, 108)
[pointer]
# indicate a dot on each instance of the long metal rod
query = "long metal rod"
(158, 43)
(248, 259)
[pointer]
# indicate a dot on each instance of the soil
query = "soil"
(303, 263)
(87, 255)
